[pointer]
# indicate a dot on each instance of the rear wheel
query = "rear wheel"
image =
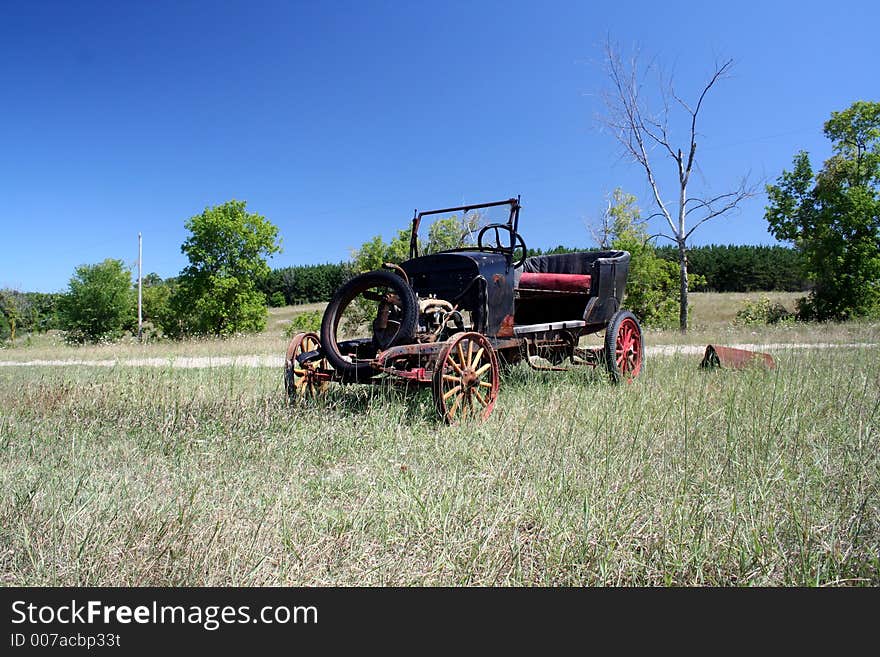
(466, 378)
(624, 347)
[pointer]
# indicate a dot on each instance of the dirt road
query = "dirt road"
(188, 362)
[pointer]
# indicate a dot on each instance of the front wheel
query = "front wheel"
(466, 378)
(624, 347)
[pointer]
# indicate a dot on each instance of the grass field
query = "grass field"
(157, 476)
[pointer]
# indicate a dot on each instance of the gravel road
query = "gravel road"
(188, 362)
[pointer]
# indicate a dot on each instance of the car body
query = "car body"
(428, 318)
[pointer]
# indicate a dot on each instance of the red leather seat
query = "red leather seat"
(572, 283)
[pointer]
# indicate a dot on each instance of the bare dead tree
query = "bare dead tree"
(601, 229)
(641, 133)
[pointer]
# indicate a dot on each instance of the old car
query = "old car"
(450, 319)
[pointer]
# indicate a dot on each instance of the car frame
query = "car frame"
(451, 319)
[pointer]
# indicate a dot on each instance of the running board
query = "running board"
(550, 326)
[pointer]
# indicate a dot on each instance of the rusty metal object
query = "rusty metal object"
(737, 359)
(506, 328)
(554, 350)
(397, 268)
(588, 357)
(413, 362)
(424, 351)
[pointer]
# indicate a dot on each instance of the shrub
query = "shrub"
(308, 321)
(762, 311)
(100, 304)
(276, 299)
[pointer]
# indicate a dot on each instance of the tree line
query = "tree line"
(733, 267)
(303, 283)
(741, 268)
(28, 312)
(726, 268)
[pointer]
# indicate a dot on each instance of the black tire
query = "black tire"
(624, 347)
(407, 313)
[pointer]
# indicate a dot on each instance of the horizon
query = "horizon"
(335, 121)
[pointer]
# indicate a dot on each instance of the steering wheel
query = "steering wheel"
(518, 243)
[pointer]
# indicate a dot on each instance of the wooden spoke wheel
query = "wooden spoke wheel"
(466, 378)
(302, 380)
(624, 347)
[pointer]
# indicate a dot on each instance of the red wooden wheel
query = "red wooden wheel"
(466, 378)
(624, 347)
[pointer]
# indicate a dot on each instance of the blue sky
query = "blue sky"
(336, 119)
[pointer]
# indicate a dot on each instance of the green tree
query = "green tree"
(217, 292)
(100, 303)
(43, 311)
(652, 286)
(11, 303)
(375, 253)
(152, 280)
(833, 217)
(444, 233)
(452, 232)
(28, 312)
(4, 326)
(156, 300)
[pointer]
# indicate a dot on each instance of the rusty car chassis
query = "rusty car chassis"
(450, 319)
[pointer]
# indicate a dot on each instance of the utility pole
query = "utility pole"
(140, 289)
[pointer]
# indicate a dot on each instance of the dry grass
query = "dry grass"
(712, 309)
(279, 318)
(51, 346)
(712, 316)
(122, 476)
(125, 476)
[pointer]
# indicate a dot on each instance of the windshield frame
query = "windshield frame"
(512, 223)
